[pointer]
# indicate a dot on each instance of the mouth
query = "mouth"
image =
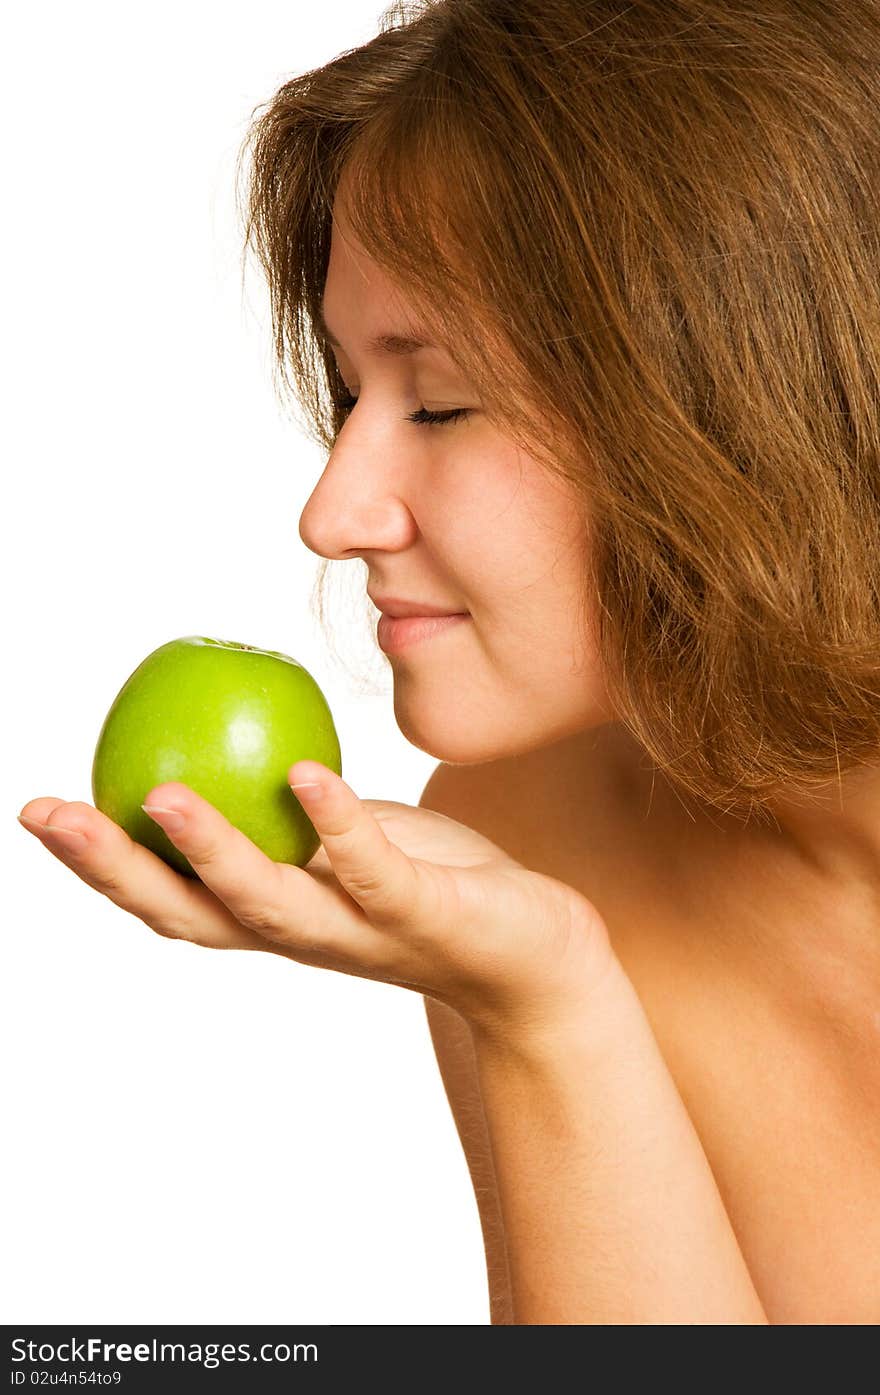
(393, 635)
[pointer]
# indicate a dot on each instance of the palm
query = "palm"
(395, 892)
(475, 884)
(426, 835)
(440, 847)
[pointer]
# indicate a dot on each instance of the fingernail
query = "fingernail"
(170, 819)
(307, 785)
(63, 837)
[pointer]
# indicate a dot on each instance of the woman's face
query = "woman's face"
(455, 516)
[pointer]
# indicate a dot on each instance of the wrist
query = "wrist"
(584, 1018)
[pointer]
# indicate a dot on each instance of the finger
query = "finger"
(278, 899)
(374, 871)
(104, 857)
(255, 889)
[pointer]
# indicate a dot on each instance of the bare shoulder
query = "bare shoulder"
(553, 809)
(495, 799)
(562, 811)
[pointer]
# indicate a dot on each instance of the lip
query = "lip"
(396, 633)
(399, 609)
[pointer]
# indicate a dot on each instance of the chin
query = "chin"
(459, 733)
(451, 737)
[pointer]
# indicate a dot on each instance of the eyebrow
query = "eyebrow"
(380, 343)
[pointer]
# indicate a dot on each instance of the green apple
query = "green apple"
(228, 720)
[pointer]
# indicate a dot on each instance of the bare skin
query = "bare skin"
(756, 955)
(743, 961)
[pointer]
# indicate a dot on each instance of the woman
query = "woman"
(584, 303)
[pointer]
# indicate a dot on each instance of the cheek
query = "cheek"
(496, 691)
(512, 538)
(533, 572)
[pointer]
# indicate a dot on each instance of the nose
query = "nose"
(357, 506)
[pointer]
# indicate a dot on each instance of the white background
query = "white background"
(191, 1135)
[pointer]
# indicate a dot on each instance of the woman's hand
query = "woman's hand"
(396, 893)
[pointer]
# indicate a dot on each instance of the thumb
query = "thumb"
(374, 871)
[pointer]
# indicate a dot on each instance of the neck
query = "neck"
(794, 906)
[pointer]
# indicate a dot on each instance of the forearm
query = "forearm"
(610, 1210)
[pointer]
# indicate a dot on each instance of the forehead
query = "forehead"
(388, 342)
(359, 293)
(357, 274)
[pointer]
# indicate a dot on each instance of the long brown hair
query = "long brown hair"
(648, 233)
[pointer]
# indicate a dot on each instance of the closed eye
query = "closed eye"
(422, 417)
